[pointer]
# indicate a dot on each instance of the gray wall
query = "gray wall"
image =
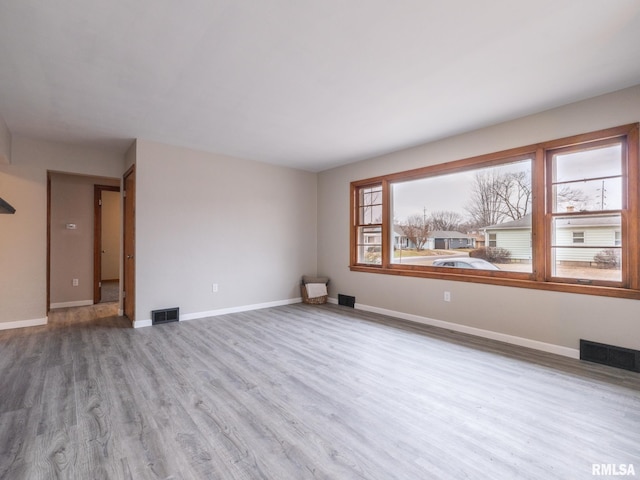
(203, 218)
(555, 319)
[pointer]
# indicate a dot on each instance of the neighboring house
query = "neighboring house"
(478, 238)
(450, 240)
(440, 240)
(599, 231)
(400, 240)
(514, 236)
(372, 238)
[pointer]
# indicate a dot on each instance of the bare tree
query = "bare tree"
(568, 197)
(445, 220)
(514, 192)
(485, 206)
(416, 229)
(496, 197)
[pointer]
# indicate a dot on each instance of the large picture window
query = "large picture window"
(561, 215)
(447, 217)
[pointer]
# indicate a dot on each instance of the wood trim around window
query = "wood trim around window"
(539, 277)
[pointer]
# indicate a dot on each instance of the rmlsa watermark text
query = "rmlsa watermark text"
(613, 469)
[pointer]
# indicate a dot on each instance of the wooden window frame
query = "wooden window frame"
(540, 277)
(357, 224)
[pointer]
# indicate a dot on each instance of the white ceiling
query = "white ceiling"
(306, 83)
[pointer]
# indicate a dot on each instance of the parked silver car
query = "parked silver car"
(477, 263)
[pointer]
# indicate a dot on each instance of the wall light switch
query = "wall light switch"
(214, 288)
(447, 296)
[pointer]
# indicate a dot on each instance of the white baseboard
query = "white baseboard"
(478, 332)
(224, 311)
(36, 322)
(79, 303)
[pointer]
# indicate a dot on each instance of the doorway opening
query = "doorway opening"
(71, 238)
(106, 244)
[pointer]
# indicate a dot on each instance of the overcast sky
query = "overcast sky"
(442, 193)
(453, 192)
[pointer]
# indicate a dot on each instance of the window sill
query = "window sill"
(617, 292)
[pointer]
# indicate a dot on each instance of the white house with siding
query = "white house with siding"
(514, 236)
(577, 234)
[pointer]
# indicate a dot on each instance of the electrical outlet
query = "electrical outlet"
(214, 288)
(74, 282)
(447, 296)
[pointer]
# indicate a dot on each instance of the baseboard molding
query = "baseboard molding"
(141, 323)
(36, 322)
(224, 311)
(79, 303)
(478, 332)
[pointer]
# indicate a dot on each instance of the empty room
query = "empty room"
(319, 240)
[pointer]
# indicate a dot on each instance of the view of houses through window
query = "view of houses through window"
(545, 213)
(481, 213)
(586, 205)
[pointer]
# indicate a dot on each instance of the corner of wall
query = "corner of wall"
(5, 142)
(130, 155)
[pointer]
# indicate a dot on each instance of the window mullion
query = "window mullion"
(538, 223)
(631, 234)
(386, 224)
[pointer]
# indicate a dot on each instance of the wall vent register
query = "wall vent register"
(611, 355)
(165, 316)
(346, 300)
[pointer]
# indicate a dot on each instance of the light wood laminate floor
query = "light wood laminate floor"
(301, 392)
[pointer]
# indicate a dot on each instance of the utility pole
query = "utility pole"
(603, 196)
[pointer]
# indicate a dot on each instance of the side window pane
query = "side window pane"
(370, 208)
(482, 213)
(587, 247)
(588, 195)
(369, 225)
(370, 245)
(370, 214)
(598, 162)
(588, 180)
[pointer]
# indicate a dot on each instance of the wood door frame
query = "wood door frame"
(48, 243)
(97, 238)
(128, 232)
